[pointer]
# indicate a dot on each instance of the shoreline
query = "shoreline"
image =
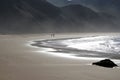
(64, 51)
(18, 61)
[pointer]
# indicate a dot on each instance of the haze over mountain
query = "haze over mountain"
(37, 16)
(106, 6)
(25, 15)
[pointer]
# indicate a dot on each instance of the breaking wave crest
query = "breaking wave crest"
(95, 46)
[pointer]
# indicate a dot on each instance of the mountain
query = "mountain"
(105, 6)
(25, 15)
(37, 16)
(60, 3)
(85, 19)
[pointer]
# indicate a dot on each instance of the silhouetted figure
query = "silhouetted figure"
(52, 35)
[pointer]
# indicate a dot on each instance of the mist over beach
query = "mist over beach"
(59, 16)
(59, 39)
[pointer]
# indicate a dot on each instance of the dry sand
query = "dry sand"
(18, 61)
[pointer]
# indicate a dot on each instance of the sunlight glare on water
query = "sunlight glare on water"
(101, 43)
(94, 47)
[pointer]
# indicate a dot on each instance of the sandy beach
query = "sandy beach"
(19, 61)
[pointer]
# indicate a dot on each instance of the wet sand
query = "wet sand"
(19, 61)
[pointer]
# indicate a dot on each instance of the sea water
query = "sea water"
(91, 47)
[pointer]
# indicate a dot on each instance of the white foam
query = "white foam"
(98, 43)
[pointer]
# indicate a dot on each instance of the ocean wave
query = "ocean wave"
(95, 46)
